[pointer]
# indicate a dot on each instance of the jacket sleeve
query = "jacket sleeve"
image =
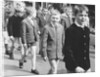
(67, 50)
(10, 27)
(36, 34)
(23, 33)
(63, 36)
(44, 43)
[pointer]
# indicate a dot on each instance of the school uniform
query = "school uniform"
(29, 36)
(29, 31)
(52, 44)
(76, 48)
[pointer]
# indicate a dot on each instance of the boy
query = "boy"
(29, 36)
(14, 27)
(52, 41)
(76, 48)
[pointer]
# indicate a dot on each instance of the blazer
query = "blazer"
(52, 41)
(76, 48)
(29, 31)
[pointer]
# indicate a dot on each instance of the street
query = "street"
(11, 67)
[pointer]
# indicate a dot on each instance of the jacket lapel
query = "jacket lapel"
(29, 22)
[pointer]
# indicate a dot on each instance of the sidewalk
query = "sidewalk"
(11, 67)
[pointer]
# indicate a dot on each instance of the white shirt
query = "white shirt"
(82, 26)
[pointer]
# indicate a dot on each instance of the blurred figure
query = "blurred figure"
(29, 37)
(76, 48)
(43, 19)
(8, 11)
(66, 18)
(14, 28)
(52, 41)
(50, 8)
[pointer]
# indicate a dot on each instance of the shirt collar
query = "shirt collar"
(82, 26)
(52, 24)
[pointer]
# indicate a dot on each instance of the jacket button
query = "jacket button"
(84, 58)
(84, 36)
(85, 51)
(84, 43)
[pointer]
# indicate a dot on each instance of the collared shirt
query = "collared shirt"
(82, 26)
(52, 24)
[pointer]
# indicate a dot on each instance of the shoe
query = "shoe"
(20, 64)
(11, 56)
(25, 60)
(7, 52)
(35, 72)
(51, 72)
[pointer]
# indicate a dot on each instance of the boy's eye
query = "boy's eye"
(83, 15)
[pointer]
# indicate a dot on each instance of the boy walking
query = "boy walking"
(52, 41)
(29, 37)
(76, 48)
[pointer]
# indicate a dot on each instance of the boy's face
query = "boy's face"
(45, 12)
(9, 9)
(20, 9)
(68, 11)
(55, 18)
(20, 14)
(81, 17)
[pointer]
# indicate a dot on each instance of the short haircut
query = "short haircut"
(55, 12)
(80, 8)
(67, 7)
(28, 3)
(44, 9)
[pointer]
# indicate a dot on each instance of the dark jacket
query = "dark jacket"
(52, 41)
(29, 31)
(14, 26)
(76, 48)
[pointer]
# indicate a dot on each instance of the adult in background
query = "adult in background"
(66, 17)
(43, 19)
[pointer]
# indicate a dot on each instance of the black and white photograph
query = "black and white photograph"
(47, 38)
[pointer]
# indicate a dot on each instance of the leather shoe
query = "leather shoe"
(20, 64)
(34, 71)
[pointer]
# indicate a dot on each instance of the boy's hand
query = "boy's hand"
(79, 70)
(12, 38)
(89, 70)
